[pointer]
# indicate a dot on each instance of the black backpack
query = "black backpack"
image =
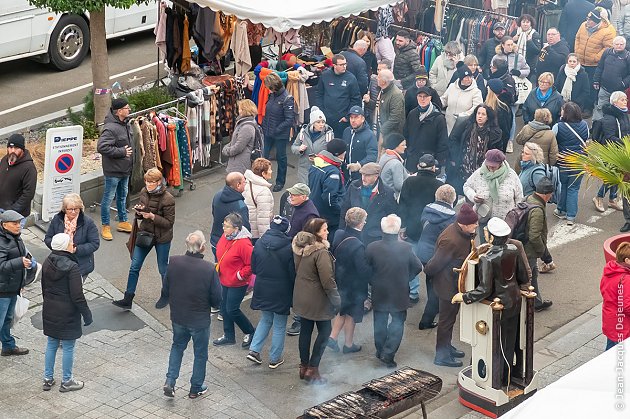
(259, 140)
(517, 219)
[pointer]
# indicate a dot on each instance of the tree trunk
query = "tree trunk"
(100, 64)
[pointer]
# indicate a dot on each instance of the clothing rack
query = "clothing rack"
(490, 12)
(412, 30)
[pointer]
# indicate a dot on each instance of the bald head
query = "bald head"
(236, 181)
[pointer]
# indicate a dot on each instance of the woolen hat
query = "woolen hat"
(60, 241)
(545, 186)
(119, 103)
(336, 147)
(466, 215)
(496, 85)
(498, 228)
(10, 216)
(422, 74)
(16, 140)
(393, 140)
(280, 223)
(299, 189)
(495, 156)
(316, 115)
(370, 168)
(464, 71)
(594, 15)
(427, 161)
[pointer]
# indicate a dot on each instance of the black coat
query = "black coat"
(552, 57)
(358, 67)
(613, 121)
(381, 205)
(227, 200)
(300, 215)
(64, 302)
(427, 136)
(411, 99)
(393, 265)
(352, 270)
(17, 184)
(279, 115)
(86, 239)
(488, 50)
(508, 95)
(554, 104)
(581, 89)
(336, 94)
(192, 286)
(111, 144)
(417, 192)
(272, 262)
(613, 70)
(12, 272)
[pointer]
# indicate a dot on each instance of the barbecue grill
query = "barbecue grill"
(380, 398)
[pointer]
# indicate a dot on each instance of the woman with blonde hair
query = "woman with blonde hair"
(532, 167)
(543, 96)
(71, 219)
(239, 149)
(258, 197)
(505, 116)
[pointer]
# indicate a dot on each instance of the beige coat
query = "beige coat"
(545, 138)
(460, 103)
(315, 295)
(261, 211)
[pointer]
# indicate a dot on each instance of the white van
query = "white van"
(62, 39)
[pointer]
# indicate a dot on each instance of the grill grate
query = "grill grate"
(406, 382)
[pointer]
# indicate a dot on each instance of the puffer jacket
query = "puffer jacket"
(18, 184)
(234, 258)
(64, 303)
(315, 142)
(541, 134)
(406, 65)
(614, 125)
(12, 272)
(111, 144)
(460, 103)
(589, 48)
(272, 262)
(86, 239)
(615, 290)
(279, 115)
(536, 228)
(434, 219)
(529, 175)
(613, 70)
(315, 294)
(511, 58)
(554, 104)
(567, 141)
(259, 201)
(391, 111)
(239, 149)
(510, 192)
(440, 76)
(327, 187)
(573, 12)
(162, 204)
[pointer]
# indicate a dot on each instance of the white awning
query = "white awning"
(283, 15)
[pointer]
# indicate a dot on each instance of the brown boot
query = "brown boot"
(313, 377)
(106, 233)
(303, 369)
(124, 226)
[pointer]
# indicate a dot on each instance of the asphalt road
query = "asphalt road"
(23, 81)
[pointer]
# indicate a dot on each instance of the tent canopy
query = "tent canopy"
(283, 15)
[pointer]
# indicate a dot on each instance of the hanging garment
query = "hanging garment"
(172, 157)
(183, 145)
(137, 174)
(240, 48)
(160, 32)
(186, 56)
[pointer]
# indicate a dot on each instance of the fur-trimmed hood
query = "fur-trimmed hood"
(305, 244)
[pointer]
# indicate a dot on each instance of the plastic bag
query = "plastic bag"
(21, 307)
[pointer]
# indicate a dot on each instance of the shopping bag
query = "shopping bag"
(523, 89)
(21, 307)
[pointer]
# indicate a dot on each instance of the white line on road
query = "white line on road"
(74, 89)
(596, 218)
(562, 234)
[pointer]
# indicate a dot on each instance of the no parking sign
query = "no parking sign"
(62, 167)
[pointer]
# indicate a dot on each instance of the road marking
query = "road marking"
(562, 234)
(596, 218)
(74, 89)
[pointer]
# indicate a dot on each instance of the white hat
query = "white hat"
(60, 241)
(316, 115)
(498, 228)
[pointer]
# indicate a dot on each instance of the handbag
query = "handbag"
(144, 239)
(21, 307)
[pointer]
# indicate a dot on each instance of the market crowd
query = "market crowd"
(382, 162)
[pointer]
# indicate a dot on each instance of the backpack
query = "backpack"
(517, 218)
(553, 174)
(259, 141)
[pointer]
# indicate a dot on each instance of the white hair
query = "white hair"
(386, 75)
(619, 38)
(195, 241)
(391, 224)
(360, 44)
(615, 96)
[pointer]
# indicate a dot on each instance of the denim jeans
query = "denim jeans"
(414, 287)
(139, 254)
(181, 337)
(7, 310)
(281, 156)
(118, 186)
(607, 188)
(569, 194)
(231, 312)
(279, 323)
(66, 361)
(513, 130)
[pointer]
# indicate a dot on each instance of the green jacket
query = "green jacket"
(536, 228)
(391, 110)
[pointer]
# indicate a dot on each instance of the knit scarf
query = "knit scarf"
(567, 87)
(334, 163)
(70, 226)
(521, 45)
(393, 153)
(543, 98)
(366, 193)
(494, 179)
(425, 112)
(592, 30)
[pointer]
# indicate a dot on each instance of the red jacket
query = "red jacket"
(234, 258)
(615, 290)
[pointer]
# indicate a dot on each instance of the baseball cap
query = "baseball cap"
(356, 110)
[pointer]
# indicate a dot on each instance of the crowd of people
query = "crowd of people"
(382, 162)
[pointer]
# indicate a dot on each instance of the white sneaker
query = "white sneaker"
(510, 147)
(220, 318)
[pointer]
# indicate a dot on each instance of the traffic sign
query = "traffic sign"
(64, 163)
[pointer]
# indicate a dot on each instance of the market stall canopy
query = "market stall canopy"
(283, 15)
